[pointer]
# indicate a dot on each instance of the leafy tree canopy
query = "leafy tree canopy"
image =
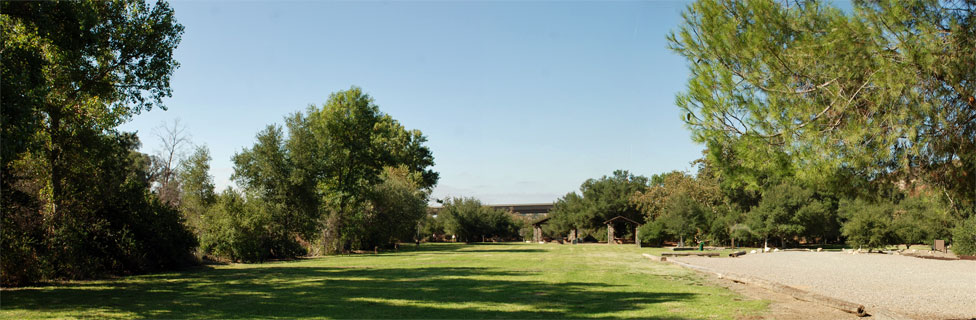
(883, 92)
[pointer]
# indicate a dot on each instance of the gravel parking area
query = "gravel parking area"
(910, 287)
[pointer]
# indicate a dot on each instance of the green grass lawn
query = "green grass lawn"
(434, 281)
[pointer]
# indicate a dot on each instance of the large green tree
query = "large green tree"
(75, 196)
(599, 200)
(881, 93)
(320, 181)
(344, 146)
(196, 188)
(788, 211)
(75, 65)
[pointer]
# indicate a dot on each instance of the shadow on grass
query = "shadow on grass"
(295, 292)
(460, 246)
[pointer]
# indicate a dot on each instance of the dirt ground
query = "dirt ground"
(783, 306)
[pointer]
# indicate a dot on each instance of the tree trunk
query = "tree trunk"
(54, 160)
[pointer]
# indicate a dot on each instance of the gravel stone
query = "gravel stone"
(911, 287)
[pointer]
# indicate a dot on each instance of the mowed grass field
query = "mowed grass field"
(448, 280)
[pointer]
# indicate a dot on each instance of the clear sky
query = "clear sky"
(521, 101)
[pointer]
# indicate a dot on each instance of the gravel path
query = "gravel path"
(912, 287)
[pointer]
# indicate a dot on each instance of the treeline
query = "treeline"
(683, 208)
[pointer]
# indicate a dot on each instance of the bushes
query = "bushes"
(868, 224)
(395, 208)
(109, 223)
(241, 229)
(964, 237)
(788, 211)
(921, 220)
(472, 222)
(653, 233)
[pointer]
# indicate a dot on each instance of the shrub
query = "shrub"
(964, 237)
(868, 224)
(652, 233)
(240, 230)
(471, 221)
(921, 220)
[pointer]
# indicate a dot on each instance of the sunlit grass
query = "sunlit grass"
(433, 281)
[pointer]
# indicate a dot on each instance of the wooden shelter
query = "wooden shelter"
(537, 229)
(610, 231)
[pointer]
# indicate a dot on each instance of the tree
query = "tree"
(472, 221)
(964, 237)
(197, 188)
(868, 224)
(173, 140)
(785, 212)
(75, 195)
(883, 92)
(567, 214)
(396, 206)
(921, 219)
(431, 227)
(599, 200)
(347, 143)
(235, 229)
(679, 205)
(81, 65)
(265, 173)
(345, 176)
(683, 217)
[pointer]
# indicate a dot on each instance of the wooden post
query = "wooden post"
(610, 233)
(637, 236)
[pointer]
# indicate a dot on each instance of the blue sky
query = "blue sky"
(521, 101)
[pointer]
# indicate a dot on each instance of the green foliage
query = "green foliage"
(683, 216)
(344, 177)
(921, 220)
(341, 149)
(653, 233)
(964, 237)
(678, 205)
(565, 215)
(868, 224)
(599, 200)
(856, 100)
(243, 229)
(197, 188)
(76, 200)
(396, 206)
(283, 203)
(787, 211)
(116, 225)
(431, 228)
(472, 221)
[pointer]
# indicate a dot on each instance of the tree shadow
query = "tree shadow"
(336, 292)
(451, 247)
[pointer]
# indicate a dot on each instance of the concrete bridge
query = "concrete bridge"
(524, 208)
